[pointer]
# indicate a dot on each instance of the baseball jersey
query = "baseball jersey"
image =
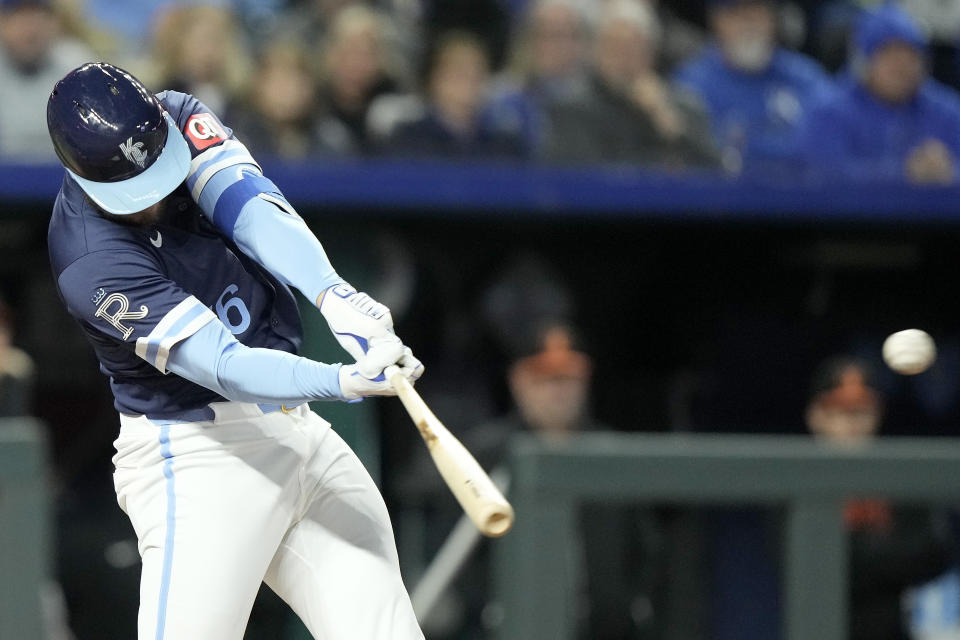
(139, 290)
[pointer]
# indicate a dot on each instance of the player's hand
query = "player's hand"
(366, 377)
(356, 319)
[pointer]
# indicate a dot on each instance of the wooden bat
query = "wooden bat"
(479, 497)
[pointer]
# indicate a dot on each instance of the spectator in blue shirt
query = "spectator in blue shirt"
(889, 121)
(755, 92)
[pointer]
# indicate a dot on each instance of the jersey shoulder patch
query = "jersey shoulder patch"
(200, 127)
(204, 131)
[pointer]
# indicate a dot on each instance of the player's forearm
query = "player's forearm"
(258, 375)
(284, 245)
(213, 358)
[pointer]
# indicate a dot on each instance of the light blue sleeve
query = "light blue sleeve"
(233, 193)
(280, 240)
(213, 358)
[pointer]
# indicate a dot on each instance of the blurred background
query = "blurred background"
(668, 216)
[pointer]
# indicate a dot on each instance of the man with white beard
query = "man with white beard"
(755, 91)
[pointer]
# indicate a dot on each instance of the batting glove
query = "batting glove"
(356, 319)
(366, 377)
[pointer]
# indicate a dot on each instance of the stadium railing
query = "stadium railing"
(447, 189)
(24, 527)
(532, 566)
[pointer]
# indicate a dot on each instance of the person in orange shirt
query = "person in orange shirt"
(892, 547)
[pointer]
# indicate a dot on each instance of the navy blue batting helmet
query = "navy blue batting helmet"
(115, 139)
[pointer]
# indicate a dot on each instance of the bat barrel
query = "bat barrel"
(470, 484)
(498, 522)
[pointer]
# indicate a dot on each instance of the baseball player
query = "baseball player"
(176, 255)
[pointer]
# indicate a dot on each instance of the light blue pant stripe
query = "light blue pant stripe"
(171, 521)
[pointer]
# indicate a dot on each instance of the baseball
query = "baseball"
(909, 352)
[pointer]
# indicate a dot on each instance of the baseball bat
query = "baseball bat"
(470, 484)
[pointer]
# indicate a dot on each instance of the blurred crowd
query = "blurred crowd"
(820, 90)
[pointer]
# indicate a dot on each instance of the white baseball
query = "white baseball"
(909, 352)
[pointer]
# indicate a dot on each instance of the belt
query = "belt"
(208, 413)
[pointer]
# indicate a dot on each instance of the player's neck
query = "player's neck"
(149, 216)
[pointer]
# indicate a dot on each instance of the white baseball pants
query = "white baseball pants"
(220, 506)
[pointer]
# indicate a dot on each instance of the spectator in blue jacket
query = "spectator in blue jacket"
(755, 91)
(889, 121)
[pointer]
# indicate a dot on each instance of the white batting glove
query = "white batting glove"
(356, 319)
(366, 377)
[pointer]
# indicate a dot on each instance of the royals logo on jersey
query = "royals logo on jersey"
(204, 131)
(116, 308)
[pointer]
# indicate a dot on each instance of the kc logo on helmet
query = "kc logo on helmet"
(133, 151)
(204, 131)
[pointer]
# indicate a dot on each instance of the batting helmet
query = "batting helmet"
(115, 139)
